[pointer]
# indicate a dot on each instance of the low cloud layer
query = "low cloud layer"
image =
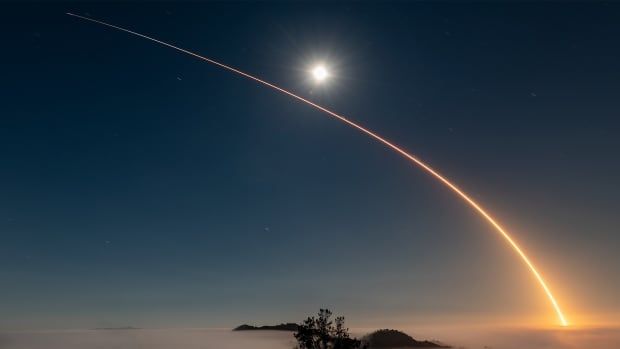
(602, 338)
(145, 339)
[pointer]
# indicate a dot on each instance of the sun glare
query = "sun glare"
(320, 73)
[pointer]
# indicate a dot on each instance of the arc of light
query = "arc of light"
(385, 142)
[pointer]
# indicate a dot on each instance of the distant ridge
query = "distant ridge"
(281, 327)
(117, 328)
(396, 339)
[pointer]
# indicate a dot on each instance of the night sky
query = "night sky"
(140, 186)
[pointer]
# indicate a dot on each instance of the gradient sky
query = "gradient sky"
(143, 187)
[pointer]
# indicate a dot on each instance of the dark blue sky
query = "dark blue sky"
(143, 187)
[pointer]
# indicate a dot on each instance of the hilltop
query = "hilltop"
(396, 339)
(281, 327)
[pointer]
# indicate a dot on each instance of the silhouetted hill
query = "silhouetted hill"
(281, 327)
(396, 339)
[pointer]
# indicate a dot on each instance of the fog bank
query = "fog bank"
(600, 338)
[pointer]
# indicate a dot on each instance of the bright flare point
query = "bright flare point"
(319, 73)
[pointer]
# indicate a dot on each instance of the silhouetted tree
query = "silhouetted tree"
(321, 333)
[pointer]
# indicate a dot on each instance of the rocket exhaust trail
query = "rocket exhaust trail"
(385, 142)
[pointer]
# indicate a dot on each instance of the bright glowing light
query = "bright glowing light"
(320, 73)
(323, 74)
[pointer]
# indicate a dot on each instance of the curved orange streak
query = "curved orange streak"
(389, 144)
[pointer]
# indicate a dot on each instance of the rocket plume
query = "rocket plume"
(500, 230)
